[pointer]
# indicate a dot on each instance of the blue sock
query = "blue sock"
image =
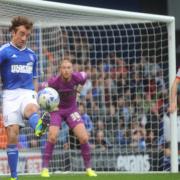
(33, 120)
(12, 153)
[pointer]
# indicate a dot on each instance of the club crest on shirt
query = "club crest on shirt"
(31, 57)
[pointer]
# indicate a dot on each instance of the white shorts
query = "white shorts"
(14, 103)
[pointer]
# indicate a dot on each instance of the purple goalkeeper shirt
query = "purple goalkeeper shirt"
(67, 90)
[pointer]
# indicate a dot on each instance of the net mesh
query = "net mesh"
(124, 101)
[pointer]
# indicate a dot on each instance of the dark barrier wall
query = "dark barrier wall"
(111, 161)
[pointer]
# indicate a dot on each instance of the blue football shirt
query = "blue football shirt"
(18, 67)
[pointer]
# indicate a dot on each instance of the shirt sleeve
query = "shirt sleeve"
(2, 55)
(53, 82)
(81, 77)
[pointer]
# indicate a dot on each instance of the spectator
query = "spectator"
(122, 135)
(49, 63)
(111, 122)
(86, 118)
(151, 140)
(109, 91)
(88, 84)
(100, 125)
(101, 141)
(96, 92)
(120, 69)
(138, 140)
(63, 139)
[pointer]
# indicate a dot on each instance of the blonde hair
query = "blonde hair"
(65, 59)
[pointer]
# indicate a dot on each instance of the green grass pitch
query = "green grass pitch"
(153, 176)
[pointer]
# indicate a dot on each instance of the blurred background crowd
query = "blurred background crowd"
(125, 98)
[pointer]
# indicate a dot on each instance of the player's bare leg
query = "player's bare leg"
(82, 135)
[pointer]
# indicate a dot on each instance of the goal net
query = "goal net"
(130, 60)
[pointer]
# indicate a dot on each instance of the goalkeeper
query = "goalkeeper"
(19, 82)
(66, 84)
(174, 89)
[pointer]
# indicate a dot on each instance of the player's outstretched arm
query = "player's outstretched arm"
(35, 82)
(173, 96)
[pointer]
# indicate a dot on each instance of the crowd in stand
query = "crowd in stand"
(123, 104)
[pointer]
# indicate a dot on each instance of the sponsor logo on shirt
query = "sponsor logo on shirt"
(22, 68)
(67, 94)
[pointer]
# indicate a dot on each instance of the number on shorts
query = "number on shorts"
(75, 116)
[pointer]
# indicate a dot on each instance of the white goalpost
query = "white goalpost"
(130, 60)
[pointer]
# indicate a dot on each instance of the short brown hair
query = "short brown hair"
(20, 21)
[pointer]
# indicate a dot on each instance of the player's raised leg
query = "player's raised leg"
(42, 124)
(81, 133)
(39, 124)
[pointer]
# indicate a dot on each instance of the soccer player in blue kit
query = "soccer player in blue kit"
(19, 83)
(66, 83)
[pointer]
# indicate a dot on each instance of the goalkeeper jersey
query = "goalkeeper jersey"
(18, 67)
(68, 90)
